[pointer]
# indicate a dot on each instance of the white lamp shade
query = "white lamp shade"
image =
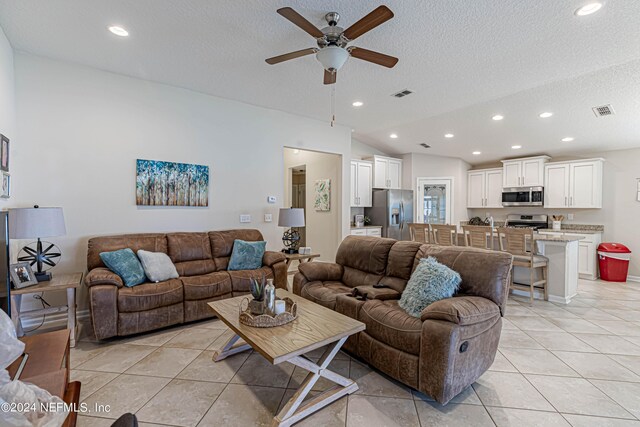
(32, 223)
(332, 57)
(291, 217)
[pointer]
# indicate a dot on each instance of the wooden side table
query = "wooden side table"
(68, 282)
(289, 258)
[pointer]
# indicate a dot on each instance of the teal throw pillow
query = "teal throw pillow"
(246, 255)
(430, 282)
(126, 265)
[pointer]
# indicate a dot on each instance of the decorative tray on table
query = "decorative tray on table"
(266, 320)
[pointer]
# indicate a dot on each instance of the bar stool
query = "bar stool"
(444, 235)
(475, 236)
(515, 241)
(420, 232)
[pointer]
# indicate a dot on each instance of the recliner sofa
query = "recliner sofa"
(201, 260)
(455, 339)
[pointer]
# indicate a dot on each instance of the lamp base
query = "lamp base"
(42, 277)
(290, 251)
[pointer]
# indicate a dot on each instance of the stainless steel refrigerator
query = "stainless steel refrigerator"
(393, 210)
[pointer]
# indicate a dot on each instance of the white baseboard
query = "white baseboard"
(633, 278)
(52, 321)
(539, 295)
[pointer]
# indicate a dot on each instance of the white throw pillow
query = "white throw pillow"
(157, 266)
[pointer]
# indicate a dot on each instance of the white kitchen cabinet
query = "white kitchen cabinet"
(525, 172)
(358, 231)
(360, 188)
(369, 231)
(575, 184)
(484, 188)
(587, 252)
(387, 172)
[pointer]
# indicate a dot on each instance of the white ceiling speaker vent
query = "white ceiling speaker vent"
(402, 93)
(425, 145)
(603, 110)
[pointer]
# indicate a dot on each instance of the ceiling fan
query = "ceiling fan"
(332, 51)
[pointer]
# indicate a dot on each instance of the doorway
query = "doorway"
(434, 200)
(299, 196)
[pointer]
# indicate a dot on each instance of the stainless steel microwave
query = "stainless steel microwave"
(523, 196)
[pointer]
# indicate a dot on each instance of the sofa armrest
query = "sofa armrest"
(103, 276)
(321, 271)
(464, 310)
(271, 257)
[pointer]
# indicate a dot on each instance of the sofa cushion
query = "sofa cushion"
(206, 286)
(191, 253)
(240, 279)
(325, 293)
(147, 241)
(157, 266)
(430, 282)
(390, 324)
(148, 296)
(125, 264)
(367, 254)
(246, 255)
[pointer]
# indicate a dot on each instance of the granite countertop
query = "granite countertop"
(353, 227)
(549, 238)
(575, 230)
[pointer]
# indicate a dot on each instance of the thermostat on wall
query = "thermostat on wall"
(271, 199)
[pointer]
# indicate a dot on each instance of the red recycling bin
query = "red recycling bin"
(613, 259)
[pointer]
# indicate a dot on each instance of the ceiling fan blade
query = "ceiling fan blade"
(290, 55)
(300, 21)
(375, 57)
(379, 15)
(329, 77)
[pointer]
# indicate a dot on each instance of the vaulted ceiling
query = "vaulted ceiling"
(465, 61)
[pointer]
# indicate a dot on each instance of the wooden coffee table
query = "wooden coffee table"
(315, 327)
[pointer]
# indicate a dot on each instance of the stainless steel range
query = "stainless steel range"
(530, 221)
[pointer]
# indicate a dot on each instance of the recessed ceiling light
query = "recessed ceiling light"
(567, 139)
(357, 103)
(588, 9)
(497, 117)
(516, 147)
(448, 135)
(393, 136)
(545, 115)
(353, 130)
(476, 153)
(118, 31)
(296, 151)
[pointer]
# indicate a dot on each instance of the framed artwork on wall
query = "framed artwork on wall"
(5, 187)
(171, 184)
(323, 195)
(4, 153)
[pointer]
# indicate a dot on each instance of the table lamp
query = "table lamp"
(36, 223)
(291, 217)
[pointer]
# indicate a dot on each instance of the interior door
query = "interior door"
(512, 173)
(532, 173)
(434, 204)
(381, 170)
(475, 189)
(556, 190)
(583, 185)
(395, 174)
(493, 188)
(365, 174)
(353, 188)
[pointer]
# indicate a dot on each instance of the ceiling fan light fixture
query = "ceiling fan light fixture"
(332, 58)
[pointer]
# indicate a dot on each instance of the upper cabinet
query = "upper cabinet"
(526, 172)
(484, 188)
(361, 178)
(387, 172)
(574, 184)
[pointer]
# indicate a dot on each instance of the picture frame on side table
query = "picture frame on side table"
(4, 153)
(5, 188)
(22, 275)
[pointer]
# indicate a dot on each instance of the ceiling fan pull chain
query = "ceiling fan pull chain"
(333, 105)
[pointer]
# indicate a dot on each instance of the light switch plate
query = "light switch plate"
(271, 199)
(268, 217)
(245, 218)
(570, 217)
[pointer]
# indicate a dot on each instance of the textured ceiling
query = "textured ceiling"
(466, 60)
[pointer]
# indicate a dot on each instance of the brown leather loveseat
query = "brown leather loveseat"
(452, 343)
(201, 260)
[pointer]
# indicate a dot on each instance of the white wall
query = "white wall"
(360, 150)
(416, 166)
(7, 98)
(323, 232)
(82, 129)
(620, 211)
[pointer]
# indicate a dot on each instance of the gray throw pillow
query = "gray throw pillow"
(157, 266)
(430, 282)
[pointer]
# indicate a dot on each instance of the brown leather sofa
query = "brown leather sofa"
(452, 343)
(201, 260)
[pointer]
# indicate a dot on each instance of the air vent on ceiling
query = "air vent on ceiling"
(402, 93)
(425, 145)
(603, 110)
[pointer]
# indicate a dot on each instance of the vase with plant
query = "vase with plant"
(256, 306)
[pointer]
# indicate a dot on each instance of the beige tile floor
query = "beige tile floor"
(557, 365)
